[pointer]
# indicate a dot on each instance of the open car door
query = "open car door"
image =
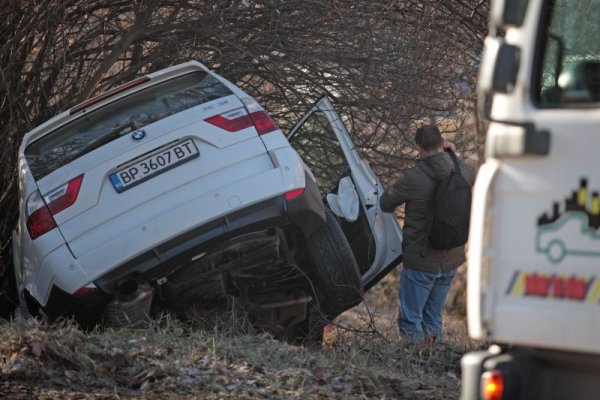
(344, 179)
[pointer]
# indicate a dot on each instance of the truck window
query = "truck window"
(569, 74)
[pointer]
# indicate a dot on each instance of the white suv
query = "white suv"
(178, 189)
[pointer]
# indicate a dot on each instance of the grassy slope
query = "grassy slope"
(220, 357)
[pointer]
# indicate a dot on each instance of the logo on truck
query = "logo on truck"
(575, 231)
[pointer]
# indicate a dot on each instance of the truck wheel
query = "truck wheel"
(338, 282)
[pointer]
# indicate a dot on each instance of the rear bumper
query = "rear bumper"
(62, 274)
(306, 212)
(88, 309)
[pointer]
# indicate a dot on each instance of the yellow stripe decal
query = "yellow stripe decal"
(518, 290)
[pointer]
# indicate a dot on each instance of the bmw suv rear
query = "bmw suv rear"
(178, 189)
(173, 189)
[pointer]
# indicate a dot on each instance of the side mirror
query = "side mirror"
(508, 12)
(499, 67)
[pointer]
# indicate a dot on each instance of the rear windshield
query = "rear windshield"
(116, 119)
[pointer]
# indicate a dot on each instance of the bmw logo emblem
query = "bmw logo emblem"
(138, 135)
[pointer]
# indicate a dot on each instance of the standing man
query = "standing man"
(427, 272)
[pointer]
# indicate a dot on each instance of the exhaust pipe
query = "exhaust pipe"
(131, 305)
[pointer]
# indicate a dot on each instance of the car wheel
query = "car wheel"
(338, 283)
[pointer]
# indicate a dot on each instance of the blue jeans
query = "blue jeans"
(422, 296)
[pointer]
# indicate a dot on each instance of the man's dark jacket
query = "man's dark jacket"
(416, 187)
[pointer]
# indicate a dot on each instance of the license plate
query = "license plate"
(156, 163)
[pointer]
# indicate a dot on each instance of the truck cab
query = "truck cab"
(533, 288)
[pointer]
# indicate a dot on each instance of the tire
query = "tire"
(335, 271)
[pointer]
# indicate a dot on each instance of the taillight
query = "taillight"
(292, 194)
(64, 196)
(39, 220)
(84, 291)
(40, 210)
(231, 121)
(261, 120)
(242, 118)
(492, 385)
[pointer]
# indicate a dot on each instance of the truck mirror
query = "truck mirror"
(508, 12)
(499, 67)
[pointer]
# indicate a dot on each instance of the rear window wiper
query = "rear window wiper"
(115, 133)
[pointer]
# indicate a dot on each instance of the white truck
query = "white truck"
(534, 254)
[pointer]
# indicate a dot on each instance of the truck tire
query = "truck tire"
(335, 271)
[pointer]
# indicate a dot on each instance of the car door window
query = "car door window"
(322, 140)
(569, 74)
(320, 149)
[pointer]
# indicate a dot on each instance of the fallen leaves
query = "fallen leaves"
(174, 360)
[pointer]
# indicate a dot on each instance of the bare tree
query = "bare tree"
(388, 64)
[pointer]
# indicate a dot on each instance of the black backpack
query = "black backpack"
(451, 210)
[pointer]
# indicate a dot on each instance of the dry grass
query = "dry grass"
(219, 355)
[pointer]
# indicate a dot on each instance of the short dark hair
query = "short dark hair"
(428, 137)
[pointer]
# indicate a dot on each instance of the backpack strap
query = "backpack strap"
(454, 160)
